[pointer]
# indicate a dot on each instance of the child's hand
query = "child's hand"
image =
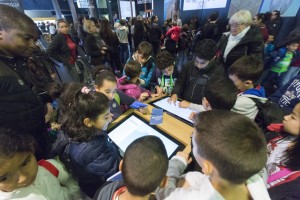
(144, 111)
(185, 156)
(192, 116)
(184, 104)
(155, 95)
(143, 96)
(159, 90)
(172, 99)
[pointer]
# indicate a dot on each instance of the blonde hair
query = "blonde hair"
(241, 17)
(86, 25)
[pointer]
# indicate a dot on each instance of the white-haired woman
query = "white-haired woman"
(243, 39)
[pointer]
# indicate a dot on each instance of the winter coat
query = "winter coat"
(130, 89)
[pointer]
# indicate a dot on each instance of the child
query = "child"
(283, 165)
(22, 177)
(106, 83)
(143, 56)
(288, 184)
(165, 75)
(229, 168)
(195, 74)
(282, 60)
(83, 146)
(244, 73)
(143, 169)
(129, 84)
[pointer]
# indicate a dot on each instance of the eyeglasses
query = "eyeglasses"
(235, 25)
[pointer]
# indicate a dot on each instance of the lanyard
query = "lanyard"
(162, 83)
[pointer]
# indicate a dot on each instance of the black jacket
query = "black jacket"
(211, 31)
(192, 80)
(274, 26)
(92, 46)
(251, 44)
(59, 50)
(20, 108)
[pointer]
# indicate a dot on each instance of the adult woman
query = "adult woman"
(112, 42)
(259, 21)
(64, 49)
(94, 46)
(243, 39)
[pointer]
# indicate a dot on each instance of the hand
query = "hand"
(192, 116)
(53, 76)
(155, 95)
(143, 96)
(144, 111)
(172, 99)
(185, 156)
(159, 90)
(184, 104)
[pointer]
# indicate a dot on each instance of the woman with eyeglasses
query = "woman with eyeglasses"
(243, 39)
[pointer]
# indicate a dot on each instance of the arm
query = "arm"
(147, 78)
(54, 48)
(196, 107)
(176, 167)
(90, 46)
(279, 92)
(125, 99)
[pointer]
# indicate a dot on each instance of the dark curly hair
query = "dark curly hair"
(89, 105)
(164, 60)
(12, 142)
(206, 49)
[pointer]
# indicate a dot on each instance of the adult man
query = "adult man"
(20, 108)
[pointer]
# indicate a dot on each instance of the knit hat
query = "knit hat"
(206, 49)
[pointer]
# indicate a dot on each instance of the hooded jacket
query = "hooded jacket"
(246, 106)
(250, 44)
(130, 89)
(192, 80)
(108, 190)
(92, 162)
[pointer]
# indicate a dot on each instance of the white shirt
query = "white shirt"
(47, 187)
(233, 41)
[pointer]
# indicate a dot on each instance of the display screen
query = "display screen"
(174, 109)
(203, 4)
(133, 128)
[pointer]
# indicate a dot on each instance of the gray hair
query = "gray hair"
(241, 17)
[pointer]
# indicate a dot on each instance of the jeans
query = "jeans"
(291, 73)
(124, 52)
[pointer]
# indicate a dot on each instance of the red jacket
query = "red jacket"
(175, 33)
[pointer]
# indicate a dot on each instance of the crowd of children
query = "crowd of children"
(233, 156)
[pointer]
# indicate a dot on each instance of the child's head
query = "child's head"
(88, 113)
(144, 52)
(219, 93)
(165, 62)
(145, 165)
(18, 165)
(67, 95)
(18, 32)
(205, 51)
(132, 69)
(245, 71)
(291, 122)
(271, 38)
(106, 83)
(292, 45)
(54, 90)
(228, 145)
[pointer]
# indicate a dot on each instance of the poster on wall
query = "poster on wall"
(13, 3)
(143, 1)
(126, 10)
(203, 4)
(287, 8)
(171, 7)
(236, 5)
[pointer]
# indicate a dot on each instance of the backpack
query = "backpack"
(268, 113)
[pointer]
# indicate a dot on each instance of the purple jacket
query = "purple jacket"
(130, 89)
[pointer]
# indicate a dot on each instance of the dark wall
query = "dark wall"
(37, 5)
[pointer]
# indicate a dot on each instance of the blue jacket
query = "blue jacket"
(288, 95)
(91, 162)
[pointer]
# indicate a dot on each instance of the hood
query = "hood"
(258, 91)
(127, 86)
